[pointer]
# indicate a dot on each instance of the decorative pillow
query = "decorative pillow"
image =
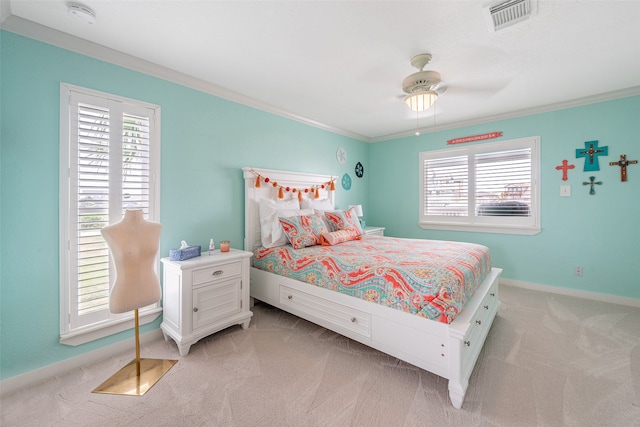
(344, 219)
(270, 230)
(340, 236)
(320, 207)
(303, 230)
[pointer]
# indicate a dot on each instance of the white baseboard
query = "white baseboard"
(594, 296)
(38, 375)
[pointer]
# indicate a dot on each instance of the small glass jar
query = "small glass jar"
(224, 246)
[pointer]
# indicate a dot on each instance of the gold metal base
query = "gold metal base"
(126, 381)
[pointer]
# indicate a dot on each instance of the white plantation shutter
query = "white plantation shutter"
(484, 187)
(91, 175)
(111, 167)
(503, 183)
(446, 182)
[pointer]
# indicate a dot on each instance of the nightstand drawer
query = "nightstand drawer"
(217, 273)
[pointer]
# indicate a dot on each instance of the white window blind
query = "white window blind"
(485, 187)
(112, 151)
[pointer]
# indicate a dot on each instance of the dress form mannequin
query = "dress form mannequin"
(134, 244)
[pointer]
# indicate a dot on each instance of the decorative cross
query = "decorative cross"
(592, 182)
(623, 163)
(592, 151)
(564, 168)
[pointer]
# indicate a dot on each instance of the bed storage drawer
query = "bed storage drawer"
(347, 318)
(479, 325)
(489, 304)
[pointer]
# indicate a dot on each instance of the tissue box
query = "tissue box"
(184, 254)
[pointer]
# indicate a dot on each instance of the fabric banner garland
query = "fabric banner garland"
(315, 190)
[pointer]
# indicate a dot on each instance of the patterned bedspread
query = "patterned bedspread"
(429, 278)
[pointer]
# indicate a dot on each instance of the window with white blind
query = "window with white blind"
(109, 162)
(485, 187)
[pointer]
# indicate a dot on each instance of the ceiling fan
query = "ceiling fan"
(422, 88)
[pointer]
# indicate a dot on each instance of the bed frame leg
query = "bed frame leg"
(456, 394)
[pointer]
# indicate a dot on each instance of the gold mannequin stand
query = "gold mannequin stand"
(138, 376)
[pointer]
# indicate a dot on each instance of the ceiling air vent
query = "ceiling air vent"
(506, 13)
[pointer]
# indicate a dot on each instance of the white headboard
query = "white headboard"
(282, 179)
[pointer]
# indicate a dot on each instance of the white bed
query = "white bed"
(447, 350)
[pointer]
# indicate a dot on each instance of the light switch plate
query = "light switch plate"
(565, 190)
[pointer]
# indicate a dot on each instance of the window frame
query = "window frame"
(529, 225)
(107, 323)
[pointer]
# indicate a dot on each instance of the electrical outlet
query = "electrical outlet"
(565, 190)
(578, 271)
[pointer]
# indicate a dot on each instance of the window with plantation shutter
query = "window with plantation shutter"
(485, 187)
(109, 163)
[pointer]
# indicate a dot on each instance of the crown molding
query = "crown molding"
(603, 97)
(66, 41)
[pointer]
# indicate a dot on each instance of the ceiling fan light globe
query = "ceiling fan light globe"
(421, 101)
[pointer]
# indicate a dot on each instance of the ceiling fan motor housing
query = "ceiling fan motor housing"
(421, 81)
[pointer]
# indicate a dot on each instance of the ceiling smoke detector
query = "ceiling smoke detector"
(81, 13)
(509, 12)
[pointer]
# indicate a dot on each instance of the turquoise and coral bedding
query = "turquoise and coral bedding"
(428, 278)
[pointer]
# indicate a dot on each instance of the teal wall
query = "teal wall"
(601, 233)
(205, 143)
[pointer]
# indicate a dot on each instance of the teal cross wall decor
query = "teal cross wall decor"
(590, 154)
(592, 182)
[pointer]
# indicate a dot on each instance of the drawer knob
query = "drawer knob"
(354, 320)
(217, 273)
(195, 309)
(492, 294)
(479, 322)
(486, 307)
(290, 297)
(467, 343)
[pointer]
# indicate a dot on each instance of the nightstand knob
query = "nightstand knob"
(486, 307)
(290, 297)
(479, 322)
(467, 343)
(217, 273)
(195, 309)
(354, 320)
(493, 295)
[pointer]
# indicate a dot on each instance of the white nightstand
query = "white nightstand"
(204, 295)
(374, 231)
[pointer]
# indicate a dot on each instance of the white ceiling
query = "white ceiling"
(340, 64)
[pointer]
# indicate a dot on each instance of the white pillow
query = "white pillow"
(320, 206)
(271, 233)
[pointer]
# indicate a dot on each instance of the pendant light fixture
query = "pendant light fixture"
(421, 87)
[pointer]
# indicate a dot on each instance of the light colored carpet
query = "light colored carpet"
(548, 361)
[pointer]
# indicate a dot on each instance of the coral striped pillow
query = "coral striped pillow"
(340, 236)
